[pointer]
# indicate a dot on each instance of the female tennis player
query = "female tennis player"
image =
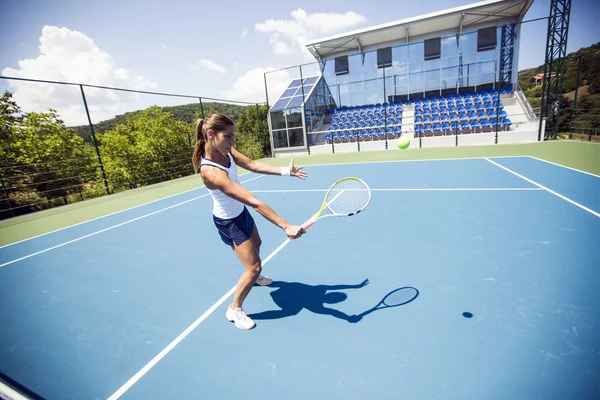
(217, 160)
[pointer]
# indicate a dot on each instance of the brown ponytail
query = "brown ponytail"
(216, 122)
(200, 144)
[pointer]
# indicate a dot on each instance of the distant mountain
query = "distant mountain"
(586, 118)
(188, 113)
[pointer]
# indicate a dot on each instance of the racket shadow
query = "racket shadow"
(293, 297)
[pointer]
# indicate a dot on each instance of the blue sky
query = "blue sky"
(213, 49)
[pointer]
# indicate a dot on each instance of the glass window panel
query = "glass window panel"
(451, 72)
(370, 65)
(449, 46)
(370, 93)
(345, 100)
(277, 120)
(400, 59)
(485, 78)
(310, 80)
(415, 67)
(486, 67)
(402, 84)
(450, 62)
(329, 69)
(280, 139)
(486, 55)
(415, 52)
(345, 78)
(357, 98)
(356, 87)
(295, 83)
(468, 43)
(449, 83)
(432, 75)
(296, 137)
(294, 118)
(416, 82)
(356, 68)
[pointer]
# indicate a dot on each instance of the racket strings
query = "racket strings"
(348, 196)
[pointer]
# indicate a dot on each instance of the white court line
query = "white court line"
(117, 212)
(564, 166)
(182, 336)
(545, 188)
(404, 190)
(112, 227)
(313, 165)
(400, 161)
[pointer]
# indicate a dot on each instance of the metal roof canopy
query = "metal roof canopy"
(459, 18)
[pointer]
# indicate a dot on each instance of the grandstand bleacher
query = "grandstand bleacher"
(461, 113)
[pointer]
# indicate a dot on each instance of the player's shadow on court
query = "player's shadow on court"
(293, 297)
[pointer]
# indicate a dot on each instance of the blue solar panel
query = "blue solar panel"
(292, 96)
(296, 102)
(280, 105)
(295, 83)
(290, 92)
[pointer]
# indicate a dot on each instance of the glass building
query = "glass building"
(465, 49)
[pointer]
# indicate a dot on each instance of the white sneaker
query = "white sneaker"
(263, 281)
(237, 315)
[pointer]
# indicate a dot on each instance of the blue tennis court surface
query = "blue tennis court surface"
(498, 259)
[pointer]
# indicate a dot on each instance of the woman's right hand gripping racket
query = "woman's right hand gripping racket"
(346, 197)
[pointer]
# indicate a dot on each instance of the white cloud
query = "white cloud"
(251, 85)
(67, 55)
(244, 33)
(209, 64)
(290, 35)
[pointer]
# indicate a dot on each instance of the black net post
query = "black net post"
(87, 111)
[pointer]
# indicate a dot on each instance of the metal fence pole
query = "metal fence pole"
(201, 107)
(303, 113)
(87, 111)
(385, 107)
(575, 100)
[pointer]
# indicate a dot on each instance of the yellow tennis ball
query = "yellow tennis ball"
(403, 142)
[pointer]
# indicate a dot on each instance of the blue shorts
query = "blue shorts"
(236, 230)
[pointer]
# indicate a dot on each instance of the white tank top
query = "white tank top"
(224, 206)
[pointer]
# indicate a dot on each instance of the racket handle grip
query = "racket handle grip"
(307, 224)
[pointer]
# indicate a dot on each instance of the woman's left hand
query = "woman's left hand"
(296, 171)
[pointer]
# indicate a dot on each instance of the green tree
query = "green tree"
(252, 137)
(149, 147)
(43, 162)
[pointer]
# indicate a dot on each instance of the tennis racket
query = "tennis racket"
(346, 197)
(394, 298)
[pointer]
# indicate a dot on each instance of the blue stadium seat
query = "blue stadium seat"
(446, 127)
(506, 123)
